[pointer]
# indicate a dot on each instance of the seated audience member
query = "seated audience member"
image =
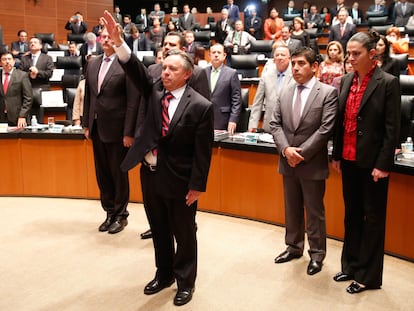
(314, 19)
(336, 83)
(20, 47)
(384, 60)
(299, 32)
(286, 39)
(157, 33)
(378, 8)
(172, 27)
(398, 45)
(273, 26)
(15, 94)
(142, 21)
(187, 20)
(333, 65)
(290, 11)
(190, 44)
(38, 65)
(253, 24)
(98, 29)
(76, 24)
(127, 25)
(138, 41)
(326, 15)
(356, 14)
(157, 14)
(90, 47)
(73, 49)
(238, 41)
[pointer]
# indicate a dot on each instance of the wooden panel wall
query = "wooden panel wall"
(47, 16)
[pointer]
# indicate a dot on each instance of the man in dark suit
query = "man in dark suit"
(20, 47)
(290, 11)
(186, 21)
(109, 117)
(73, 50)
(76, 24)
(302, 123)
(190, 45)
(15, 93)
(291, 43)
(356, 13)
(38, 65)
(141, 20)
(253, 25)
(402, 12)
(224, 26)
(313, 19)
(90, 47)
(342, 31)
(366, 134)
(138, 41)
(233, 9)
(174, 145)
(335, 10)
(225, 90)
(378, 9)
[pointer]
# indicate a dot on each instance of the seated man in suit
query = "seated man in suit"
(73, 49)
(186, 21)
(138, 41)
(302, 123)
(313, 19)
(225, 90)
(15, 93)
(285, 39)
(76, 24)
(20, 47)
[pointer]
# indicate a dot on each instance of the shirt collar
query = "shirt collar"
(178, 93)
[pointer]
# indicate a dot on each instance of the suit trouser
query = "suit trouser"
(365, 214)
(300, 193)
(169, 219)
(112, 181)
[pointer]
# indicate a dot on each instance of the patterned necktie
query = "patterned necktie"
(103, 71)
(297, 107)
(6, 82)
(165, 116)
(214, 76)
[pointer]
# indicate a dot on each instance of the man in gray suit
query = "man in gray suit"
(402, 12)
(271, 83)
(301, 127)
(186, 21)
(291, 43)
(15, 93)
(225, 90)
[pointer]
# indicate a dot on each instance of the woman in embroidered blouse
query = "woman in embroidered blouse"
(273, 26)
(298, 31)
(333, 65)
(398, 45)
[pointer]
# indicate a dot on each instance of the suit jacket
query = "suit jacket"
(115, 106)
(312, 134)
(139, 20)
(378, 123)
(16, 47)
(143, 43)
(192, 49)
(359, 15)
(184, 154)
(316, 20)
(293, 44)
(18, 99)
(118, 18)
(186, 25)
(45, 67)
(221, 33)
(256, 26)
(382, 9)
(198, 81)
(392, 66)
(83, 27)
(265, 96)
(160, 14)
(84, 51)
(294, 11)
(245, 42)
(234, 12)
(400, 18)
(335, 34)
(226, 97)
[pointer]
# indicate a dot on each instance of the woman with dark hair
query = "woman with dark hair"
(298, 31)
(366, 134)
(273, 26)
(384, 60)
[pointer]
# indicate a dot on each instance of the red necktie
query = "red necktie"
(6, 82)
(165, 116)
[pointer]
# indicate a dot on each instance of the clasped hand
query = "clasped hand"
(293, 156)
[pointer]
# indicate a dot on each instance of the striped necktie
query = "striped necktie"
(165, 116)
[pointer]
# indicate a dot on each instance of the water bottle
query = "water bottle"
(34, 121)
(235, 49)
(409, 144)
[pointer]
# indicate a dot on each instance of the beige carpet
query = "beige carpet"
(53, 258)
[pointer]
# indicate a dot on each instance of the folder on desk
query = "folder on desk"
(52, 99)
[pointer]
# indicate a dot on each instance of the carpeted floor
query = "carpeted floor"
(53, 258)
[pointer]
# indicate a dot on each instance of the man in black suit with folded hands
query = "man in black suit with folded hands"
(174, 145)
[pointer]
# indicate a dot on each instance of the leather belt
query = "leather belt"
(151, 167)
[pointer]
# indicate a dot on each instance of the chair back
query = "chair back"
(243, 124)
(377, 21)
(407, 84)
(148, 60)
(77, 37)
(203, 37)
(246, 65)
(382, 30)
(261, 47)
(403, 60)
(71, 64)
(48, 39)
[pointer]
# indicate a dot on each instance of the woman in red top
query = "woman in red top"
(273, 26)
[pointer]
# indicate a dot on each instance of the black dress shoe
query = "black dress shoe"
(341, 276)
(106, 224)
(314, 267)
(355, 288)
(118, 225)
(183, 296)
(157, 285)
(286, 256)
(146, 235)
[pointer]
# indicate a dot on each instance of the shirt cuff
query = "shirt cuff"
(123, 52)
